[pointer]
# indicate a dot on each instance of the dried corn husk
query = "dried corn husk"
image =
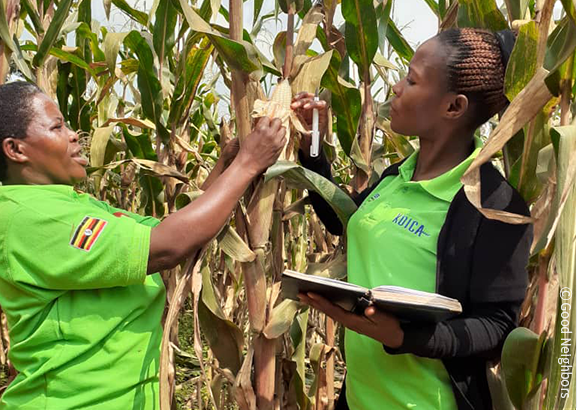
(279, 107)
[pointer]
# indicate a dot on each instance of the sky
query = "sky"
(414, 17)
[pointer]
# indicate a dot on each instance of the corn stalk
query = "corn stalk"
(9, 10)
(150, 108)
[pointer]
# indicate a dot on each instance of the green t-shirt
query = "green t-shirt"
(392, 240)
(84, 318)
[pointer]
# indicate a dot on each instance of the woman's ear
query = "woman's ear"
(457, 106)
(13, 150)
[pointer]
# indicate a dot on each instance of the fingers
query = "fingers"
(263, 124)
(308, 104)
(272, 127)
(336, 312)
(297, 99)
(276, 125)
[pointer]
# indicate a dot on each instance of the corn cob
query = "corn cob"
(279, 107)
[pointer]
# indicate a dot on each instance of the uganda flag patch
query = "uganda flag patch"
(87, 233)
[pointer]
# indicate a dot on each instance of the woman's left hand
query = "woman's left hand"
(375, 324)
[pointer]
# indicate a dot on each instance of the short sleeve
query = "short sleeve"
(76, 247)
(144, 220)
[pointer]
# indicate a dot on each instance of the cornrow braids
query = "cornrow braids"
(476, 69)
(15, 114)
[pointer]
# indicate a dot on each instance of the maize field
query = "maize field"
(157, 101)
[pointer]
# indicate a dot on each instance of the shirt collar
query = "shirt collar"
(446, 185)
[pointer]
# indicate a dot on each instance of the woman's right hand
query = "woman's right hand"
(304, 104)
(261, 148)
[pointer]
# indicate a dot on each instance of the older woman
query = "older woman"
(416, 229)
(77, 277)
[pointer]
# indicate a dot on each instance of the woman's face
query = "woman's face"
(51, 148)
(421, 97)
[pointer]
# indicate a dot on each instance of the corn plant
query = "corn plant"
(146, 103)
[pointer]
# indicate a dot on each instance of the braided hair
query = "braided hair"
(476, 64)
(15, 114)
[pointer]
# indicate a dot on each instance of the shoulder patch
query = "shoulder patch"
(87, 233)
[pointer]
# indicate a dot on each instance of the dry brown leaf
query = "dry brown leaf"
(568, 184)
(166, 376)
(522, 109)
(144, 124)
(255, 285)
(243, 391)
(308, 30)
(196, 287)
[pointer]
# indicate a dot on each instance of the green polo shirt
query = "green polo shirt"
(392, 240)
(84, 318)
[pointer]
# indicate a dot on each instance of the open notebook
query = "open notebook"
(405, 304)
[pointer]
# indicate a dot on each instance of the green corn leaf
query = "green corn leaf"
(33, 14)
(361, 34)
(4, 30)
(256, 11)
(383, 17)
(281, 318)
(139, 145)
(148, 84)
(522, 360)
(303, 178)
(72, 58)
(346, 103)
(53, 32)
(298, 333)
(78, 110)
(516, 9)
(21, 63)
(398, 42)
(85, 31)
(481, 14)
(83, 42)
(559, 396)
(240, 55)
(523, 176)
(560, 44)
(523, 61)
(224, 337)
(136, 15)
(163, 37)
(297, 5)
(187, 86)
(112, 43)
(569, 6)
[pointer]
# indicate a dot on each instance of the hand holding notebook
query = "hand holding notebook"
(406, 304)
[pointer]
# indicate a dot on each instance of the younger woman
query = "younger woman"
(415, 228)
